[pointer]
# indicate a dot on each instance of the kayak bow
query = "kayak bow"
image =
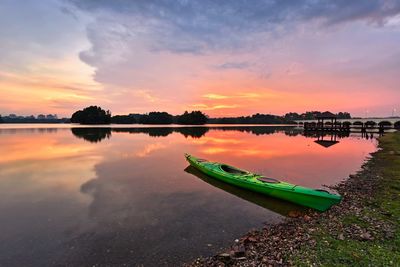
(314, 198)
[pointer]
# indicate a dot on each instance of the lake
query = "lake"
(125, 196)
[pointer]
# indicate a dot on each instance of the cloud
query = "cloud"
(234, 65)
(199, 25)
(236, 95)
(166, 54)
(36, 29)
(203, 106)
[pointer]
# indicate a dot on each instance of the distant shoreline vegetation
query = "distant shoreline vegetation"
(96, 115)
(50, 118)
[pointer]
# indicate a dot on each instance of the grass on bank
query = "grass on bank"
(379, 215)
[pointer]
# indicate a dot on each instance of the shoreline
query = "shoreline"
(363, 230)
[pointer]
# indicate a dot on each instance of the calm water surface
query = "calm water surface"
(105, 196)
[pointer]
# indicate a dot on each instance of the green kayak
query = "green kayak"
(314, 198)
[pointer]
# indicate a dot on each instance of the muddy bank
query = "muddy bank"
(363, 230)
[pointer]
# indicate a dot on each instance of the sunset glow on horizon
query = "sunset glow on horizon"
(225, 58)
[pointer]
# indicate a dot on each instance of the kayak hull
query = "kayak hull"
(308, 197)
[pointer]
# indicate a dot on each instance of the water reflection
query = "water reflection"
(92, 135)
(89, 196)
(273, 204)
(97, 134)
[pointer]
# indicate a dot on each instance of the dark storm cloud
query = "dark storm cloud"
(237, 14)
(191, 26)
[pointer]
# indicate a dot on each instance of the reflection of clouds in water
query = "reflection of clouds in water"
(144, 209)
(158, 219)
(149, 149)
(40, 202)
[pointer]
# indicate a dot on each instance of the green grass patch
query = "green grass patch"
(353, 219)
(384, 207)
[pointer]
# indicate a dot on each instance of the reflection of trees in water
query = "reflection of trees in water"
(28, 130)
(194, 132)
(98, 134)
(257, 130)
(92, 135)
(293, 132)
(153, 132)
(260, 130)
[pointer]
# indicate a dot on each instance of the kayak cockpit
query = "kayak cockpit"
(232, 170)
(268, 180)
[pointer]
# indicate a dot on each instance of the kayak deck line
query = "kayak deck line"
(314, 198)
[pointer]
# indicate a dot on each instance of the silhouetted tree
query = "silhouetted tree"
(311, 115)
(291, 116)
(1, 120)
(254, 119)
(343, 115)
(123, 119)
(156, 118)
(91, 115)
(194, 117)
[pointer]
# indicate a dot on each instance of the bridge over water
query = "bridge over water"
(394, 122)
(328, 122)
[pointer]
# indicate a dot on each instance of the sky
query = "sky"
(225, 58)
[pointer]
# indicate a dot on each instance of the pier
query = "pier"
(328, 122)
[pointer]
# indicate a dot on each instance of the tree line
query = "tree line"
(96, 115)
(312, 115)
(31, 119)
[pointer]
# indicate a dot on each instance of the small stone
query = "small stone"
(341, 236)
(239, 251)
(366, 236)
(252, 239)
(224, 255)
(307, 218)
(294, 214)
